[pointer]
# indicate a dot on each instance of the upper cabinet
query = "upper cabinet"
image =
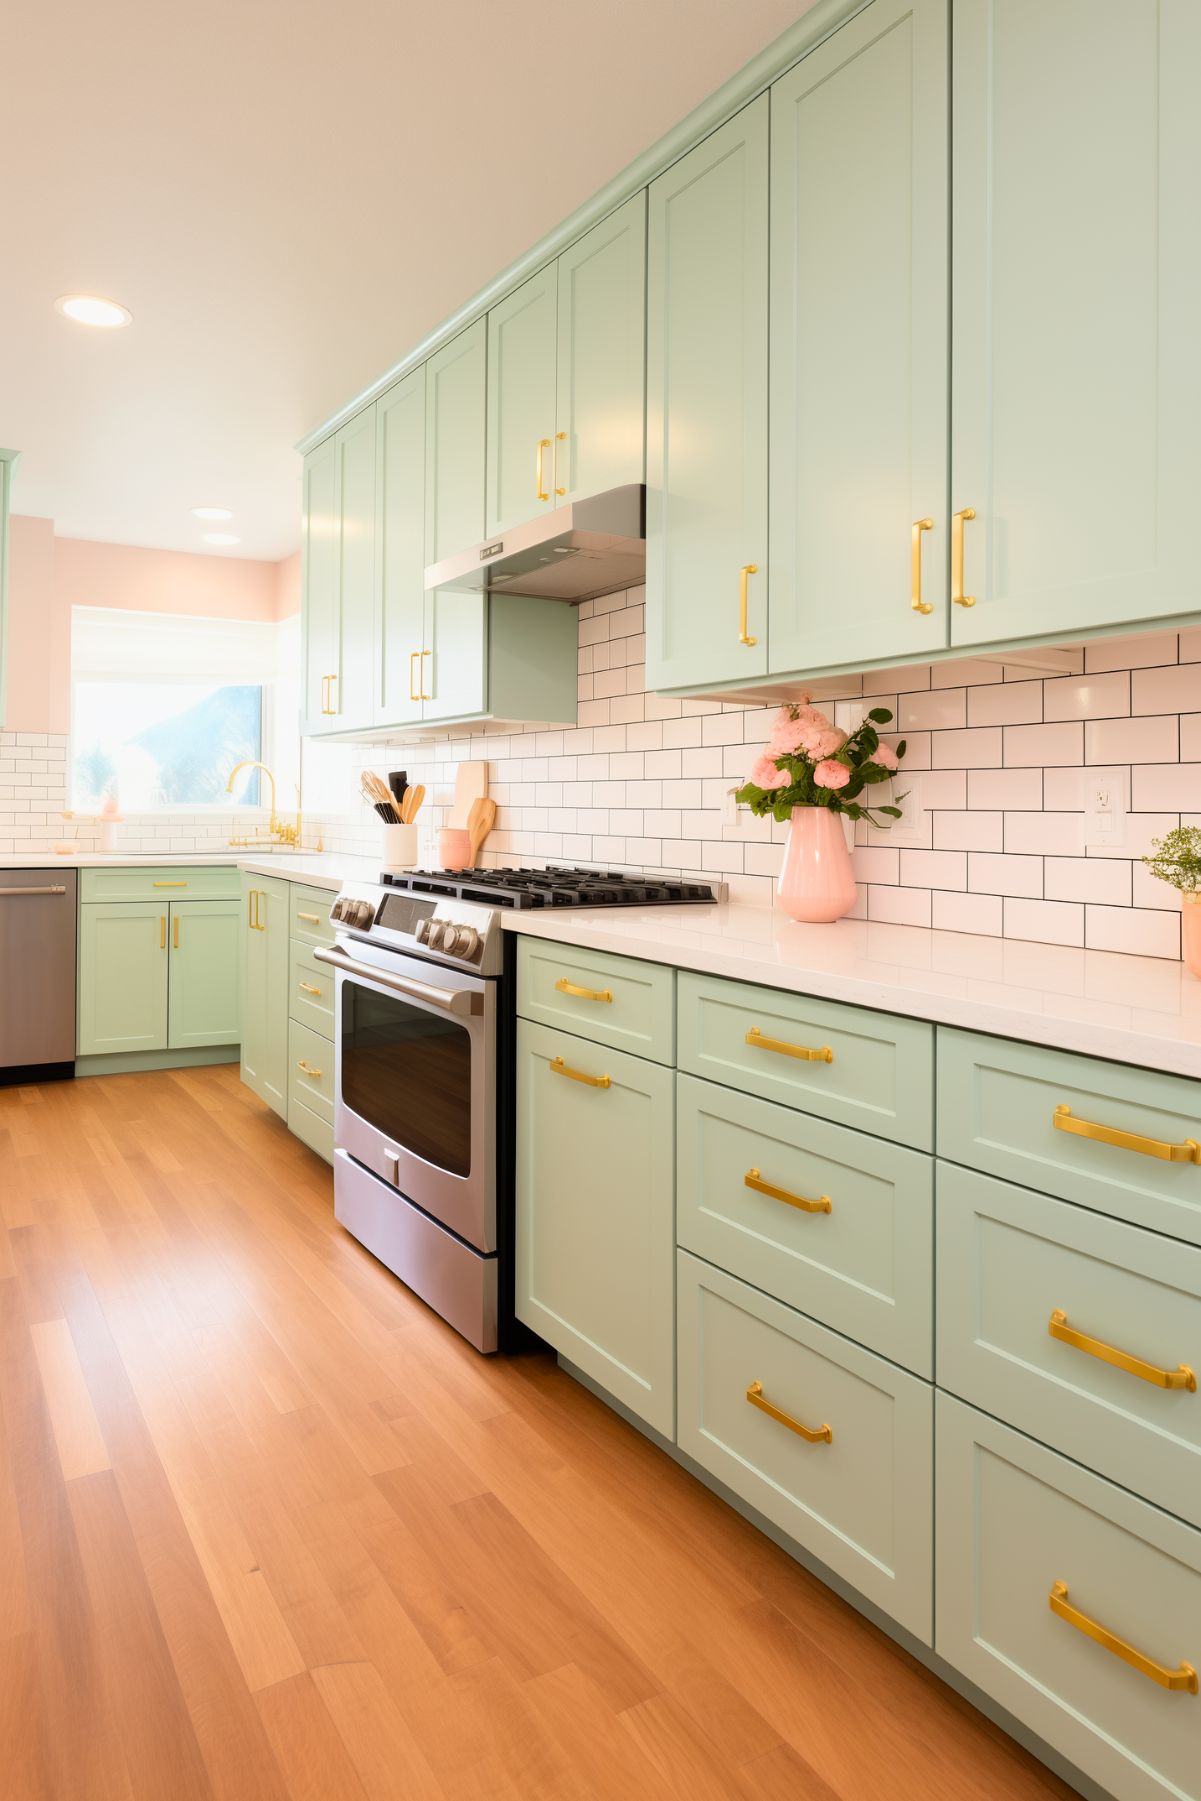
(338, 578)
(521, 405)
(858, 440)
(454, 444)
(319, 602)
(1076, 264)
(400, 548)
(706, 465)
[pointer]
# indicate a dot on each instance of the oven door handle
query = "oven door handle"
(459, 1001)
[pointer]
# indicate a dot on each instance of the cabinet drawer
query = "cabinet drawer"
(311, 1129)
(308, 910)
(1010, 1261)
(856, 1255)
(874, 1070)
(1014, 1522)
(152, 882)
(861, 1502)
(612, 1000)
(311, 991)
(310, 1072)
(998, 1107)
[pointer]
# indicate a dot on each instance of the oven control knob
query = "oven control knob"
(337, 910)
(467, 941)
(363, 914)
(434, 932)
(423, 931)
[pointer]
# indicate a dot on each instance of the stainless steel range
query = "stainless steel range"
(423, 1063)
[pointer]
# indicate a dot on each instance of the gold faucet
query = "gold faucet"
(278, 832)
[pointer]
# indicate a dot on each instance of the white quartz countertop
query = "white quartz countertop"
(1141, 1010)
(318, 869)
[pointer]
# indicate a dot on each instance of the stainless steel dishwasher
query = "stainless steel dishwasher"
(37, 974)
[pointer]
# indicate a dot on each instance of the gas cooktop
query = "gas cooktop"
(554, 887)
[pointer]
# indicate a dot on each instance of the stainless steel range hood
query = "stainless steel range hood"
(589, 547)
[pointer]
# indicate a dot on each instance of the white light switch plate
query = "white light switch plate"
(1106, 805)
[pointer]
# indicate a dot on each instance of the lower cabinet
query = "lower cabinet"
(264, 989)
(596, 1214)
(203, 1004)
(311, 1089)
(157, 975)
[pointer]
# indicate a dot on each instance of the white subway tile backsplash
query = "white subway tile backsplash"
(1139, 740)
(1087, 696)
(1037, 746)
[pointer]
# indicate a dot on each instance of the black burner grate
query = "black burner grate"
(555, 887)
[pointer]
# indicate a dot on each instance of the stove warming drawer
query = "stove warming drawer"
(455, 1280)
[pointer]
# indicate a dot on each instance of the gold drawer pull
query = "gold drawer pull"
(162, 933)
(957, 523)
(803, 1051)
(1182, 1679)
(1181, 1377)
(754, 1180)
(563, 986)
(310, 919)
(307, 988)
(168, 884)
(1188, 1152)
(306, 1069)
(915, 556)
(413, 656)
(559, 1068)
(744, 575)
(820, 1435)
(540, 492)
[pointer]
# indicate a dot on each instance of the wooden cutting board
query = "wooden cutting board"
(471, 784)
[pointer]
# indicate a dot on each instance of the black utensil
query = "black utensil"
(398, 781)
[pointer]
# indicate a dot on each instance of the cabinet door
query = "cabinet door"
(595, 1214)
(400, 548)
(454, 669)
(454, 444)
(204, 979)
(319, 586)
(706, 410)
(1076, 271)
(123, 977)
(264, 989)
(521, 404)
(355, 455)
(859, 342)
(600, 419)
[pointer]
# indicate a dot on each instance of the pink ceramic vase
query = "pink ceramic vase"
(1190, 926)
(816, 882)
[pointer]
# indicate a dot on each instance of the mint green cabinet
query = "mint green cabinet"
(264, 989)
(356, 500)
(455, 398)
(600, 387)
(595, 1214)
(521, 403)
(203, 1004)
(1076, 274)
(706, 410)
(319, 586)
(858, 441)
(400, 549)
(123, 977)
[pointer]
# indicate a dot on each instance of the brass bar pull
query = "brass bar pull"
(327, 694)
(803, 1051)
(424, 654)
(560, 438)
(1189, 1151)
(162, 933)
(168, 884)
(813, 1435)
(1183, 1679)
(312, 919)
(539, 477)
(957, 522)
(306, 1069)
(1181, 1377)
(413, 656)
(915, 576)
(258, 912)
(175, 931)
(753, 1179)
(745, 574)
(308, 988)
(563, 986)
(559, 1068)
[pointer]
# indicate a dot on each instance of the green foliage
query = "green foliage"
(857, 755)
(1176, 859)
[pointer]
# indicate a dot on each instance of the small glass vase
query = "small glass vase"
(1190, 932)
(816, 881)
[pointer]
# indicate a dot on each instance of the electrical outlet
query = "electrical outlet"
(1105, 808)
(912, 830)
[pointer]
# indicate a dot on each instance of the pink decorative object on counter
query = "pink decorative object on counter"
(454, 848)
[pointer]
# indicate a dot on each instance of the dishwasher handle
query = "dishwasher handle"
(12, 893)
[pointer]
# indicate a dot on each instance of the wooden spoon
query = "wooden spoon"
(480, 822)
(412, 804)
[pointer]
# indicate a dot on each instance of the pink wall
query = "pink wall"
(49, 575)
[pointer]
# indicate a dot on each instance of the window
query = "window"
(164, 705)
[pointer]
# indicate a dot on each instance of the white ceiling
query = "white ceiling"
(288, 195)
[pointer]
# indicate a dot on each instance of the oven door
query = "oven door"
(415, 1074)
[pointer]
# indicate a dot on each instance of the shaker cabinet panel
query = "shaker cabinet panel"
(123, 977)
(319, 586)
(521, 404)
(454, 444)
(265, 989)
(706, 415)
(204, 1006)
(601, 383)
(352, 696)
(400, 549)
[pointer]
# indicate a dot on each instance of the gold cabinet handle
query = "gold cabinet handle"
(423, 655)
(306, 1069)
(559, 1068)
(957, 523)
(327, 694)
(1189, 1151)
(168, 884)
(753, 1179)
(563, 986)
(560, 438)
(803, 1051)
(312, 919)
(744, 576)
(1181, 1377)
(162, 933)
(413, 656)
(1182, 1679)
(258, 912)
(539, 477)
(175, 930)
(308, 988)
(915, 572)
(813, 1435)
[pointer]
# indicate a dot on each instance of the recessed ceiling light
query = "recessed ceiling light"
(211, 513)
(220, 538)
(89, 309)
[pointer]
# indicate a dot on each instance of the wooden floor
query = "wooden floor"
(269, 1529)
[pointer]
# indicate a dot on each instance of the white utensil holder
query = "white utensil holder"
(400, 847)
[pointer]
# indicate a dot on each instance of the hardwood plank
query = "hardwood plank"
(390, 1764)
(314, 1760)
(81, 1447)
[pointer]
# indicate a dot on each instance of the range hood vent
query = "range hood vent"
(590, 547)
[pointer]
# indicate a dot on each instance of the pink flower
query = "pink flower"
(823, 743)
(792, 730)
(831, 775)
(764, 773)
(886, 757)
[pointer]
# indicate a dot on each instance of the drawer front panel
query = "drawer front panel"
(878, 1074)
(313, 1084)
(311, 1129)
(1014, 1521)
(612, 1000)
(998, 1105)
(1009, 1264)
(856, 1255)
(311, 994)
(309, 914)
(861, 1502)
(151, 882)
